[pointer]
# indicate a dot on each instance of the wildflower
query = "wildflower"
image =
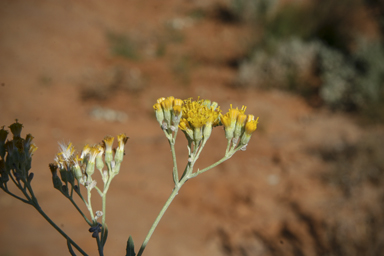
(250, 127)
(166, 104)
(177, 112)
(16, 129)
(76, 169)
(229, 121)
(185, 127)
(122, 140)
(159, 113)
(91, 161)
(66, 152)
(199, 114)
(85, 151)
(108, 143)
(99, 157)
(239, 128)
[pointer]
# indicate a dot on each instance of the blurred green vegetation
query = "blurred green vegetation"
(122, 45)
(329, 51)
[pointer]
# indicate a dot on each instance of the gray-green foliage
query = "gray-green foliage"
(352, 81)
(284, 61)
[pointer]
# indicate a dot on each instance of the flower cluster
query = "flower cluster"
(15, 155)
(197, 118)
(238, 125)
(82, 166)
(168, 112)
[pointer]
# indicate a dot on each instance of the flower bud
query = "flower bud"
(122, 140)
(16, 129)
(250, 127)
(76, 169)
(167, 106)
(159, 113)
(240, 123)
(108, 142)
(99, 157)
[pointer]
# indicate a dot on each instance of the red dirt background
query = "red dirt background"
(56, 66)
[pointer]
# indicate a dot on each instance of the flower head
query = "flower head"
(66, 151)
(159, 113)
(229, 120)
(250, 127)
(122, 140)
(16, 129)
(251, 124)
(108, 143)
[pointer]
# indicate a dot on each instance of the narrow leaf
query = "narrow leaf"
(105, 234)
(130, 247)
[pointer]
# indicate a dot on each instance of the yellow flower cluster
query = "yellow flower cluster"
(237, 124)
(91, 156)
(196, 119)
(168, 112)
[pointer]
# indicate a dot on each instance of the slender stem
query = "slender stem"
(175, 171)
(163, 210)
(228, 146)
(37, 207)
(89, 204)
(210, 167)
(78, 209)
(99, 246)
(15, 196)
(104, 209)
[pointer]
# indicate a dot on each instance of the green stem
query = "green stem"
(78, 209)
(37, 207)
(175, 170)
(163, 210)
(104, 208)
(15, 196)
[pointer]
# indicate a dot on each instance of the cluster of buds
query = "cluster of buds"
(168, 112)
(197, 118)
(15, 155)
(82, 167)
(238, 125)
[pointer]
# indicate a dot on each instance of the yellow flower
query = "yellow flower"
(122, 139)
(167, 104)
(198, 113)
(159, 113)
(32, 149)
(250, 127)
(185, 127)
(93, 153)
(76, 169)
(229, 120)
(177, 103)
(251, 124)
(85, 151)
(108, 143)
(159, 100)
(240, 123)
